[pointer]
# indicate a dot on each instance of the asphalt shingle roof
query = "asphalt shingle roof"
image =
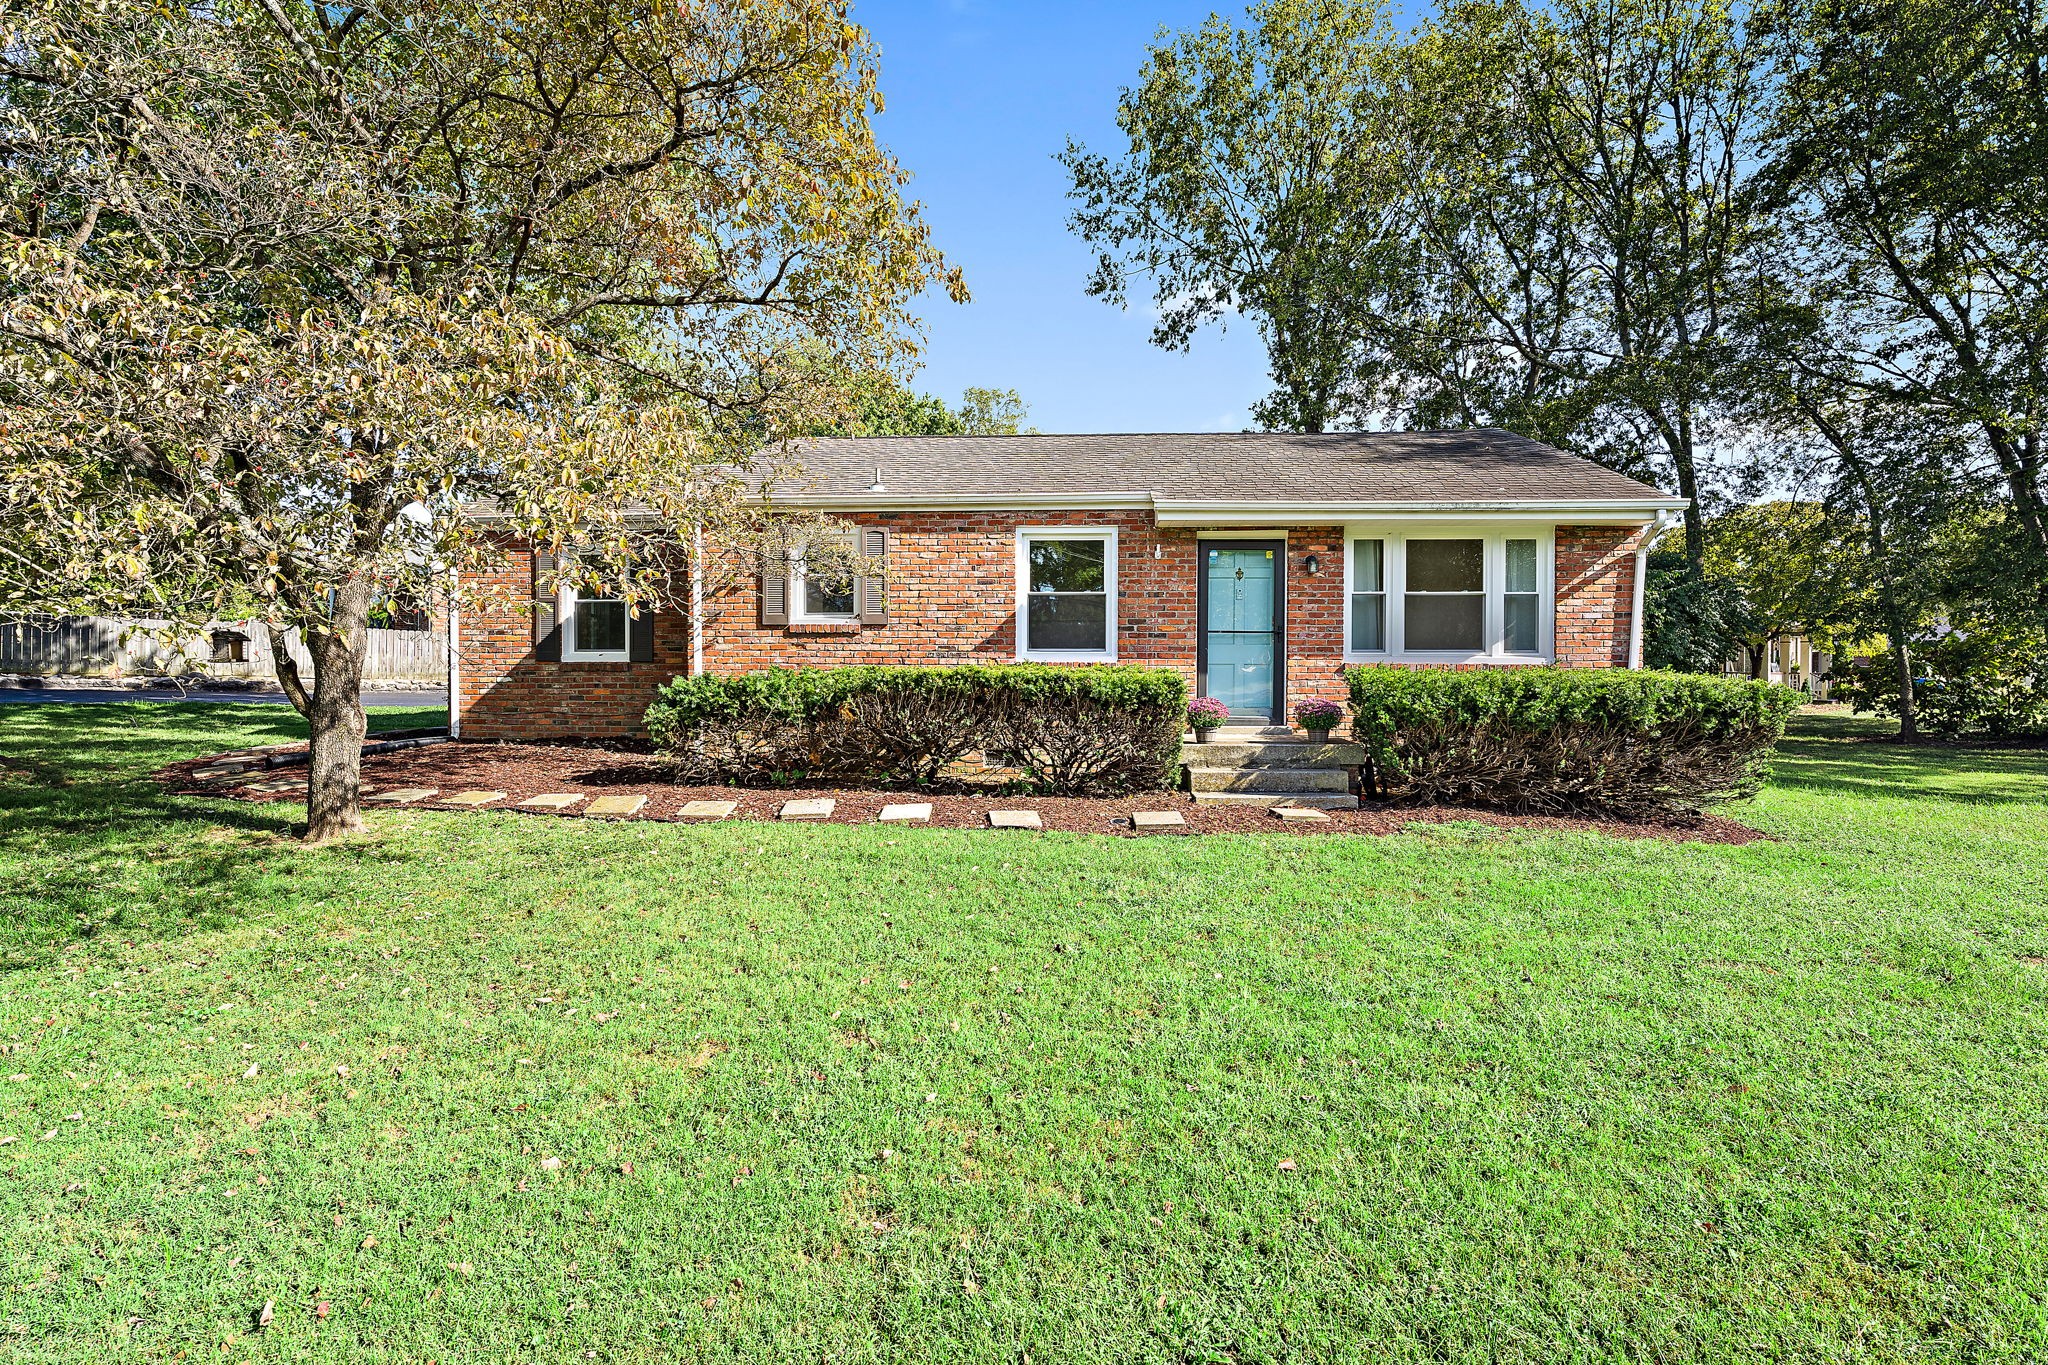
(1486, 465)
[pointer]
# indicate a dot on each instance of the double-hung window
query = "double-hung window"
(593, 628)
(1066, 594)
(1445, 596)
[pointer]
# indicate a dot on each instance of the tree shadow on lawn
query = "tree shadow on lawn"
(91, 847)
(1841, 754)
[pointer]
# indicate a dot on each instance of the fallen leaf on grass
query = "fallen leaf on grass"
(265, 1314)
(460, 1267)
(1287, 1165)
(250, 1074)
(322, 1309)
(551, 1163)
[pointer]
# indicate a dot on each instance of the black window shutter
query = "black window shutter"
(874, 588)
(547, 631)
(774, 595)
(640, 636)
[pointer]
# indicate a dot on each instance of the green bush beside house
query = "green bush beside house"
(1613, 741)
(1081, 731)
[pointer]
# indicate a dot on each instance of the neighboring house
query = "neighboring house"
(1790, 659)
(1257, 565)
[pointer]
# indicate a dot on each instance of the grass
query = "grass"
(874, 1095)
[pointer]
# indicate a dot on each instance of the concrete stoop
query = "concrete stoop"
(1266, 767)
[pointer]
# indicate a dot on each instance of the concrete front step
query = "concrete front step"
(1320, 800)
(1269, 779)
(1271, 754)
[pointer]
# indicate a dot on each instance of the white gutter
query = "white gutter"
(1210, 511)
(697, 600)
(454, 659)
(1665, 521)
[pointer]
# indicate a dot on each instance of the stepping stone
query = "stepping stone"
(400, 796)
(908, 810)
(218, 774)
(707, 810)
(1293, 813)
(1014, 819)
(1156, 819)
(553, 800)
(615, 805)
(478, 798)
(811, 808)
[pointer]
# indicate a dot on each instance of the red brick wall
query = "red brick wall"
(952, 599)
(1596, 583)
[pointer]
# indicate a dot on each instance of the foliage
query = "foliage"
(1625, 741)
(1069, 730)
(288, 289)
(1791, 567)
(872, 403)
(994, 412)
(768, 1041)
(1254, 185)
(1691, 623)
(1985, 680)
(1906, 163)
(1207, 713)
(1318, 713)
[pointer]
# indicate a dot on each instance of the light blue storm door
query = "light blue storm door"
(1240, 649)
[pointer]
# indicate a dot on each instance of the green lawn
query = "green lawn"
(834, 1093)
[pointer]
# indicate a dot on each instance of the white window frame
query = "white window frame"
(1394, 579)
(799, 611)
(572, 653)
(1105, 534)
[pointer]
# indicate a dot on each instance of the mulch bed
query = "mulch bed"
(525, 770)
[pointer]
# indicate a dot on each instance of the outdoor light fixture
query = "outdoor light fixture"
(1310, 564)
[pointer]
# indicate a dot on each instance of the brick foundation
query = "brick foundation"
(952, 599)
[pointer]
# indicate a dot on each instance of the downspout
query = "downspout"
(697, 600)
(1664, 522)
(454, 658)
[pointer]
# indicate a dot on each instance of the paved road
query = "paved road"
(259, 698)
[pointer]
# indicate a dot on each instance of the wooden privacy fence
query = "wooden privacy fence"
(109, 647)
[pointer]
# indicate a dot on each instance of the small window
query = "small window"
(594, 628)
(1445, 606)
(1520, 609)
(1068, 595)
(827, 595)
(1368, 596)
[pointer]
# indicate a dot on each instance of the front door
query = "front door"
(1240, 649)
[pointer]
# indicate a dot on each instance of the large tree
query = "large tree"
(1577, 179)
(1908, 161)
(290, 287)
(1255, 185)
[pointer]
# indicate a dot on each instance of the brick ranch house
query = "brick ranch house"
(1257, 565)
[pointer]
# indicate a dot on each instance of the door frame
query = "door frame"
(1279, 548)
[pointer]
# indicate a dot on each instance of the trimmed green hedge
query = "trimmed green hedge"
(1071, 730)
(1610, 740)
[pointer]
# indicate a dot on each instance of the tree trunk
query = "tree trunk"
(334, 713)
(1902, 659)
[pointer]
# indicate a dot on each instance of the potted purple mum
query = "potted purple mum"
(1204, 715)
(1318, 716)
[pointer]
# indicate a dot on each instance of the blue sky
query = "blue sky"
(980, 96)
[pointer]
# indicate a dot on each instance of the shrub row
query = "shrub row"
(1598, 740)
(1085, 730)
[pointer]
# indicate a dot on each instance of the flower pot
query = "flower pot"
(1319, 736)
(1202, 736)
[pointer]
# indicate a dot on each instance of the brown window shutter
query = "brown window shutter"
(547, 631)
(774, 595)
(640, 636)
(873, 601)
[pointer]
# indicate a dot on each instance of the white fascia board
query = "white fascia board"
(957, 502)
(1178, 512)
